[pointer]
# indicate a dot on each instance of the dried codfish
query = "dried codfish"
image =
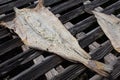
(41, 29)
(111, 27)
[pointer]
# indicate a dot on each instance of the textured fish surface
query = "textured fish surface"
(111, 27)
(40, 28)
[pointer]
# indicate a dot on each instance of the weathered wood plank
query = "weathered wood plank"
(94, 4)
(70, 72)
(4, 1)
(3, 32)
(72, 14)
(116, 72)
(36, 70)
(9, 6)
(14, 62)
(31, 57)
(9, 45)
(90, 37)
(66, 5)
(101, 51)
(50, 2)
(5, 35)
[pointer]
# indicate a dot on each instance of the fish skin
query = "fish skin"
(111, 27)
(39, 28)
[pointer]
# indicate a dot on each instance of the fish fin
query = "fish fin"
(9, 24)
(99, 67)
(16, 10)
(39, 5)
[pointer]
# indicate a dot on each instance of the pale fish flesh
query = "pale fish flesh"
(111, 27)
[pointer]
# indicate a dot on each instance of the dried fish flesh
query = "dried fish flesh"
(111, 27)
(39, 28)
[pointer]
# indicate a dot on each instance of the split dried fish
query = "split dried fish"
(111, 27)
(39, 28)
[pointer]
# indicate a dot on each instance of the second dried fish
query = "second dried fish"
(111, 27)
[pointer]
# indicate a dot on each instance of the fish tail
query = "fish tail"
(99, 67)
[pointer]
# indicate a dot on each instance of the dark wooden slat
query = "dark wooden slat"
(8, 17)
(110, 9)
(4, 1)
(72, 14)
(94, 4)
(77, 69)
(14, 62)
(5, 35)
(82, 25)
(3, 32)
(8, 62)
(39, 69)
(90, 37)
(66, 5)
(70, 72)
(50, 2)
(116, 72)
(33, 56)
(100, 52)
(9, 45)
(76, 12)
(9, 6)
